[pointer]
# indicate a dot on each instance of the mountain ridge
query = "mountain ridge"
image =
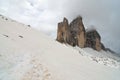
(75, 34)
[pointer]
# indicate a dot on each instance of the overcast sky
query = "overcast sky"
(45, 14)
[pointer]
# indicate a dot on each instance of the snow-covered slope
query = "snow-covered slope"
(27, 54)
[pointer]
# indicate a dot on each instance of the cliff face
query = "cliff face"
(62, 32)
(77, 31)
(75, 34)
(93, 40)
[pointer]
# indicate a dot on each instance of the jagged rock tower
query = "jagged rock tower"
(75, 34)
(93, 40)
(63, 31)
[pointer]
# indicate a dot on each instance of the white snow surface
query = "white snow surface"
(27, 54)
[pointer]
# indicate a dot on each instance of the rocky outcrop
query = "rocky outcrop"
(63, 31)
(93, 40)
(75, 34)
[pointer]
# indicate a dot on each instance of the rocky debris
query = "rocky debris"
(75, 34)
(105, 61)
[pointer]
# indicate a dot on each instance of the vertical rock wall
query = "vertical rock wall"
(78, 32)
(93, 40)
(62, 32)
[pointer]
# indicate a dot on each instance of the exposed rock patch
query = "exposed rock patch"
(5, 35)
(20, 36)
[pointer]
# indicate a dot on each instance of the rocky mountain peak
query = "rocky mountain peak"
(75, 34)
(65, 20)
